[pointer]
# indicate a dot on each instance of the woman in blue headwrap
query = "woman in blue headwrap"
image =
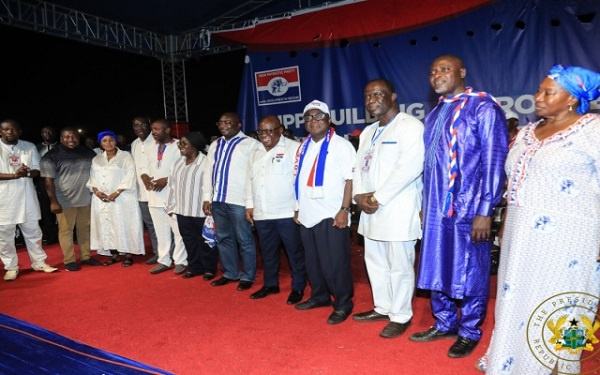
(116, 221)
(549, 276)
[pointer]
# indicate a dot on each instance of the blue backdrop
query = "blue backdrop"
(508, 47)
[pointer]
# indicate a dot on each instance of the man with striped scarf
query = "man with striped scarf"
(465, 149)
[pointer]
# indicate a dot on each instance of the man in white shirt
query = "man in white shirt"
(387, 186)
(324, 164)
(141, 128)
(19, 164)
(270, 206)
(224, 196)
(160, 158)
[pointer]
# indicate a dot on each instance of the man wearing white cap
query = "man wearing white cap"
(324, 165)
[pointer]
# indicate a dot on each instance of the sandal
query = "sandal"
(208, 276)
(189, 275)
(111, 261)
(127, 262)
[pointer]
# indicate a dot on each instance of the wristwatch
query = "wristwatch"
(347, 209)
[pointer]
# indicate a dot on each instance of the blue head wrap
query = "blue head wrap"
(583, 84)
(105, 133)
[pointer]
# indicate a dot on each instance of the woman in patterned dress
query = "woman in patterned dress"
(549, 276)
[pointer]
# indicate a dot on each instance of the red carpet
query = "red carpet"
(190, 327)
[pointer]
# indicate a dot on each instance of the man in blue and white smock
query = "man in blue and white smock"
(224, 197)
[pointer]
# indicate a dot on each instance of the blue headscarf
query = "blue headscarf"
(583, 84)
(105, 133)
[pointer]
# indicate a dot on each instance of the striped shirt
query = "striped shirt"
(227, 168)
(185, 187)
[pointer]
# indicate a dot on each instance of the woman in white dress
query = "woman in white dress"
(549, 275)
(116, 222)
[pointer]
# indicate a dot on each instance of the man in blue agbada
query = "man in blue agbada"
(466, 144)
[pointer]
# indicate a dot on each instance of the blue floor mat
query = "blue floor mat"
(28, 349)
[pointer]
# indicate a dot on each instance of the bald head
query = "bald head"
(457, 60)
(271, 119)
(269, 131)
(447, 75)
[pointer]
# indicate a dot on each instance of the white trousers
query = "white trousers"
(33, 240)
(164, 225)
(391, 269)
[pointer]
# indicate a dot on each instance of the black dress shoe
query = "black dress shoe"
(431, 334)
(295, 297)
(244, 285)
(369, 316)
(264, 291)
(208, 276)
(338, 316)
(310, 304)
(394, 329)
(462, 347)
(222, 281)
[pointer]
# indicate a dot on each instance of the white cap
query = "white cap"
(511, 114)
(316, 104)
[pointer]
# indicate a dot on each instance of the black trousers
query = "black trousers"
(48, 223)
(201, 257)
(327, 251)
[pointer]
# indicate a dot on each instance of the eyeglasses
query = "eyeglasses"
(266, 131)
(376, 95)
(226, 122)
(317, 117)
(443, 69)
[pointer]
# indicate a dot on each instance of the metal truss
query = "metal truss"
(172, 50)
(56, 20)
(174, 89)
(63, 22)
(236, 13)
(198, 41)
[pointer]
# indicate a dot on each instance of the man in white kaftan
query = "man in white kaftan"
(19, 163)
